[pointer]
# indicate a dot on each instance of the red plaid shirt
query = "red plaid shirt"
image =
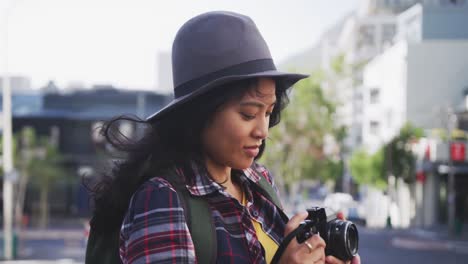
(155, 230)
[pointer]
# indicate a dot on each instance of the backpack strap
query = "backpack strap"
(269, 192)
(199, 221)
(265, 188)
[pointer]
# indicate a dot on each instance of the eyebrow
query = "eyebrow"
(257, 104)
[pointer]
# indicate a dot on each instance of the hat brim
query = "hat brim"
(288, 80)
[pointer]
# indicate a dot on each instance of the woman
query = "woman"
(228, 93)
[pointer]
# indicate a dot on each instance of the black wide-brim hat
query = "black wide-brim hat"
(217, 48)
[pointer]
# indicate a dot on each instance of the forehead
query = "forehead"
(264, 90)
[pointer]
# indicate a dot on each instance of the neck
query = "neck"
(222, 175)
(219, 174)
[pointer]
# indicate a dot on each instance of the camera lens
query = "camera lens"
(342, 239)
(352, 240)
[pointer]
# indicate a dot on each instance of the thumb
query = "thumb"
(294, 222)
(356, 260)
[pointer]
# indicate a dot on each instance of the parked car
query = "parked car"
(344, 203)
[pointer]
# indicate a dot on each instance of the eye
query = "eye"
(247, 116)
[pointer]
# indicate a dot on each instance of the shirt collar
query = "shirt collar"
(204, 185)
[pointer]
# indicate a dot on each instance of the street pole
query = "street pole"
(390, 181)
(7, 153)
(452, 119)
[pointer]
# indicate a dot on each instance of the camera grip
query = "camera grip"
(297, 233)
(304, 234)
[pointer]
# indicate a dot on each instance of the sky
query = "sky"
(117, 42)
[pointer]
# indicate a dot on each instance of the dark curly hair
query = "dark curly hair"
(174, 139)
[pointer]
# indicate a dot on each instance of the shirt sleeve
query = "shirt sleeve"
(154, 229)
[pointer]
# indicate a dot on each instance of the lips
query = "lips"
(252, 151)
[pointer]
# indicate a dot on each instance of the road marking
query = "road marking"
(407, 243)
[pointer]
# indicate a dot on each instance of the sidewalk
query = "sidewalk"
(435, 238)
(441, 232)
(66, 245)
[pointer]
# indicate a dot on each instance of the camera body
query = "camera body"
(341, 236)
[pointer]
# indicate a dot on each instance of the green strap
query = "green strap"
(199, 221)
(267, 190)
(201, 225)
(271, 193)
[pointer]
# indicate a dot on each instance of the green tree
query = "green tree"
(295, 146)
(395, 157)
(45, 171)
(368, 168)
(26, 153)
(400, 160)
(38, 162)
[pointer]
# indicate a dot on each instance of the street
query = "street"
(376, 246)
(383, 246)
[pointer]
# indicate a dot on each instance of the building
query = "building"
(425, 60)
(72, 120)
(398, 89)
(418, 79)
(376, 26)
(360, 37)
(407, 61)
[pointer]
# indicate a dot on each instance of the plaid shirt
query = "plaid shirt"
(154, 229)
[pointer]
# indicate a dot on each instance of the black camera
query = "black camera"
(341, 236)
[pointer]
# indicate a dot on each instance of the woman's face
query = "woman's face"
(233, 137)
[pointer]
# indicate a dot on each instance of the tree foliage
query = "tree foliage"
(395, 157)
(295, 146)
(400, 160)
(368, 168)
(39, 163)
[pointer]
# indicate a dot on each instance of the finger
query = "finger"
(333, 260)
(316, 241)
(315, 256)
(340, 215)
(294, 222)
(356, 260)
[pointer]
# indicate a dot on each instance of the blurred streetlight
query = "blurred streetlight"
(8, 171)
(451, 125)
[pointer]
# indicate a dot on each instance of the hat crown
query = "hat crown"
(215, 41)
(214, 49)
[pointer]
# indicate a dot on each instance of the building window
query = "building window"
(374, 95)
(388, 33)
(366, 36)
(374, 127)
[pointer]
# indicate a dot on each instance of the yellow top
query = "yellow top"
(268, 244)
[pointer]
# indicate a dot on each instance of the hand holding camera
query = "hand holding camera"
(341, 237)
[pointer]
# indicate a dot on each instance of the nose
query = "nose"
(261, 128)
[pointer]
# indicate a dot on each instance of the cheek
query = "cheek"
(226, 137)
(230, 135)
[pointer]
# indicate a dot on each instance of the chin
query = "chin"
(242, 165)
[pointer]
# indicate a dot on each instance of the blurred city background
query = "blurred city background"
(378, 132)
